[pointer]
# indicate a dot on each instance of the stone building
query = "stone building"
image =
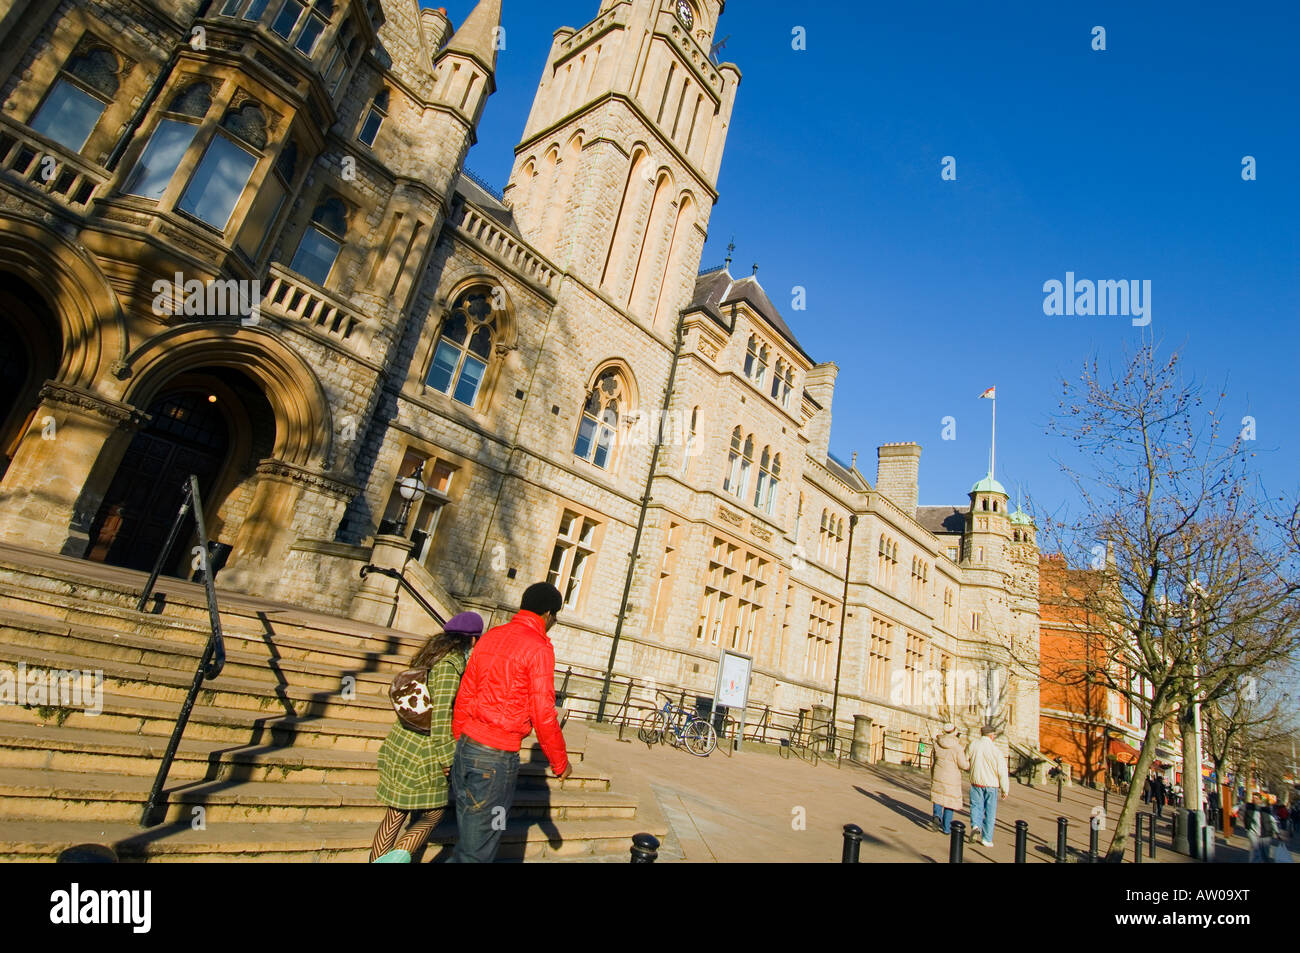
(237, 240)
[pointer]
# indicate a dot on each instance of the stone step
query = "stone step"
(279, 624)
(261, 696)
(94, 620)
(44, 747)
(28, 841)
(27, 794)
(147, 716)
(62, 576)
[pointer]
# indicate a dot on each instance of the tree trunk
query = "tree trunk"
(1191, 752)
(1146, 755)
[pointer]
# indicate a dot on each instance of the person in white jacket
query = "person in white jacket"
(988, 777)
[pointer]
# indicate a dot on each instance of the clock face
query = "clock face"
(685, 13)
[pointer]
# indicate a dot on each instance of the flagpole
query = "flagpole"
(993, 449)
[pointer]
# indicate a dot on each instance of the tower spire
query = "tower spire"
(478, 35)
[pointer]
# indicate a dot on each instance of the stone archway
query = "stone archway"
(213, 423)
(29, 356)
(272, 476)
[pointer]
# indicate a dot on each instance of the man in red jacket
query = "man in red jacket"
(508, 690)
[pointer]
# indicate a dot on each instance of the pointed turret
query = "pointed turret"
(478, 37)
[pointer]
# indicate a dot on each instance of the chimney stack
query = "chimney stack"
(897, 471)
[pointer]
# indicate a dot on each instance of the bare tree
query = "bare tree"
(1198, 567)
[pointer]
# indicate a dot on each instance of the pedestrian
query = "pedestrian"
(1254, 830)
(1158, 794)
(945, 778)
(988, 776)
(413, 766)
(507, 691)
(1146, 790)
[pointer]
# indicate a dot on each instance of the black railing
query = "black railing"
(214, 654)
(408, 588)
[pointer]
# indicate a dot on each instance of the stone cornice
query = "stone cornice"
(77, 399)
(317, 481)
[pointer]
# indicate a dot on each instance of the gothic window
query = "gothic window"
(161, 157)
(320, 244)
(84, 88)
(768, 475)
(374, 118)
(254, 11)
(598, 429)
(259, 223)
(756, 357)
(345, 53)
(226, 166)
(731, 480)
(464, 349)
(782, 382)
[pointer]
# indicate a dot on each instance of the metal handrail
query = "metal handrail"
(214, 654)
(405, 584)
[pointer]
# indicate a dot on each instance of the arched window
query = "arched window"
(756, 360)
(746, 464)
(731, 479)
(374, 118)
(320, 244)
(226, 166)
(598, 429)
(84, 87)
(762, 492)
(782, 378)
(464, 347)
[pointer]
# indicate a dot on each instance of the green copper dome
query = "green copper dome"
(1020, 516)
(988, 485)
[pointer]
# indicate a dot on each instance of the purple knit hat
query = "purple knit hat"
(465, 623)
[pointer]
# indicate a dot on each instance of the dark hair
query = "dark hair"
(541, 598)
(439, 646)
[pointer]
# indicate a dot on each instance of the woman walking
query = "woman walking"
(945, 778)
(413, 766)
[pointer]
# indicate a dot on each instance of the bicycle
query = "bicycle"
(680, 727)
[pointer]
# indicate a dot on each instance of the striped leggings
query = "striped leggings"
(413, 839)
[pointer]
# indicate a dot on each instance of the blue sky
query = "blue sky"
(1123, 163)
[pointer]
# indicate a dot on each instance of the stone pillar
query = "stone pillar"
(62, 467)
(861, 750)
(378, 593)
(821, 718)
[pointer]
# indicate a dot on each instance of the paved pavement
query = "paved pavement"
(757, 806)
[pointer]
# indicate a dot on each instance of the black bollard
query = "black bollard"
(645, 848)
(1062, 832)
(1194, 834)
(956, 842)
(1137, 840)
(1060, 782)
(1022, 840)
(1094, 834)
(852, 843)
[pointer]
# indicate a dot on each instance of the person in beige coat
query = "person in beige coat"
(945, 777)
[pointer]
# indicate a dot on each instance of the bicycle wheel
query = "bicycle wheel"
(700, 738)
(652, 728)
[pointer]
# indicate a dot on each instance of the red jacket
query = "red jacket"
(508, 690)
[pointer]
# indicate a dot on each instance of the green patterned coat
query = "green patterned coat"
(410, 764)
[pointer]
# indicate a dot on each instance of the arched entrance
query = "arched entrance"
(210, 422)
(29, 356)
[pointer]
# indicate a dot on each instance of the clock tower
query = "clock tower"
(616, 174)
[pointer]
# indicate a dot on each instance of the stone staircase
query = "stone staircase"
(278, 760)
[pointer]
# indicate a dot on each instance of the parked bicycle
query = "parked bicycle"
(680, 727)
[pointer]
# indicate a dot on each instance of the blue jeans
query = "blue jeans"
(983, 809)
(483, 780)
(944, 814)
